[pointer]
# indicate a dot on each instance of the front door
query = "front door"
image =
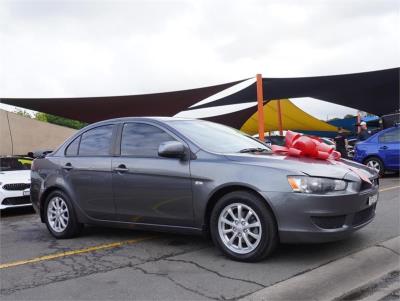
(148, 188)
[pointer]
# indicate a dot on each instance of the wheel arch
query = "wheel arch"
(44, 197)
(373, 156)
(217, 194)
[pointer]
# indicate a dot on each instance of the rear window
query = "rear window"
(11, 164)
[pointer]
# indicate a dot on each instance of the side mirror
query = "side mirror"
(172, 149)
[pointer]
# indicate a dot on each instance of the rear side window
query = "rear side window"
(142, 140)
(96, 142)
(72, 149)
(391, 136)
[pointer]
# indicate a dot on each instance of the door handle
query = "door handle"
(383, 147)
(121, 168)
(67, 166)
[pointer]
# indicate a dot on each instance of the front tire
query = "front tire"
(243, 227)
(377, 164)
(60, 216)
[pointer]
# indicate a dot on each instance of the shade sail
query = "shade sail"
(92, 109)
(376, 92)
(293, 118)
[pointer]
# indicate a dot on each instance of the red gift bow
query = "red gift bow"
(298, 145)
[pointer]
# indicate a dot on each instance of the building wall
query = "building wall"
(20, 135)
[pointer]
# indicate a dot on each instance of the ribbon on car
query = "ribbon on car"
(298, 145)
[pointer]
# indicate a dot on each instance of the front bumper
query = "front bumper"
(13, 199)
(320, 218)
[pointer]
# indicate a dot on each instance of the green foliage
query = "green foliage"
(74, 124)
(349, 116)
(335, 118)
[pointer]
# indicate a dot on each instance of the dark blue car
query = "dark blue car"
(380, 151)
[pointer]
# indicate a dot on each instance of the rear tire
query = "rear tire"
(377, 164)
(243, 227)
(60, 216)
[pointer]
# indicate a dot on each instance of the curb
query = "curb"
(336, 278)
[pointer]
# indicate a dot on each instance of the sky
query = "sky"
(99, 48)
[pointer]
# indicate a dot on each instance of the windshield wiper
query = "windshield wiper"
(254, 150)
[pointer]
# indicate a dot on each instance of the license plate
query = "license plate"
(26, 192)
(372, 199)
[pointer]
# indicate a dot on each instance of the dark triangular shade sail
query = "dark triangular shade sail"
(375, 92)
(92, 109)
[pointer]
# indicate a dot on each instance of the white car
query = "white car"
(15, 182)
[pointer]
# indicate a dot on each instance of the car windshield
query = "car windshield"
(218, 138)
(11, 164)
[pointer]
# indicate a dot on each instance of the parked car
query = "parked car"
(275, 140)
(175, 174)
(328, 141)
(380, 151)
(15, 182)
(350, 147)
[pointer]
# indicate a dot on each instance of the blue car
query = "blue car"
(381, 151)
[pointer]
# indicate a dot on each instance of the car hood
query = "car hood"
(15, 176)
(308, 166)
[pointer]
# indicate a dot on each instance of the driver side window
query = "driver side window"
(142, 140)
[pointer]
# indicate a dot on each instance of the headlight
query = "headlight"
(315, 185)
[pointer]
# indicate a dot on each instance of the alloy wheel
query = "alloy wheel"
(374, 165)
(239, 228)
(57, 214)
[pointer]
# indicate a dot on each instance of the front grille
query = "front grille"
(363, 216)
(17, 201)
(16, 186)
(329, 222)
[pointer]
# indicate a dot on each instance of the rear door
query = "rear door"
(87, 169)
(389, 148)
(148, 188)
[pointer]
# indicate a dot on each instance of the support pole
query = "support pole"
(279, 117)
(260, 107)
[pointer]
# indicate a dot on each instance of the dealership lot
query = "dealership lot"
(124, 264)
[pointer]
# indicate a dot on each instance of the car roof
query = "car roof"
(157, 118)
(162, 119)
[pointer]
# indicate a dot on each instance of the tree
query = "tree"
(74, 124)
(334, 118)
(348, 116)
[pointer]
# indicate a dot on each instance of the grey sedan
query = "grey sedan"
(193, 176)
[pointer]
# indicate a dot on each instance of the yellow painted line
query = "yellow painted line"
(73, 252)
(388, 188)
(95, 248)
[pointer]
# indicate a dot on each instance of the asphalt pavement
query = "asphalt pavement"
(119, 264)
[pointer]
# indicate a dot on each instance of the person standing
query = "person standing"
(364, 133)
(341, 143)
